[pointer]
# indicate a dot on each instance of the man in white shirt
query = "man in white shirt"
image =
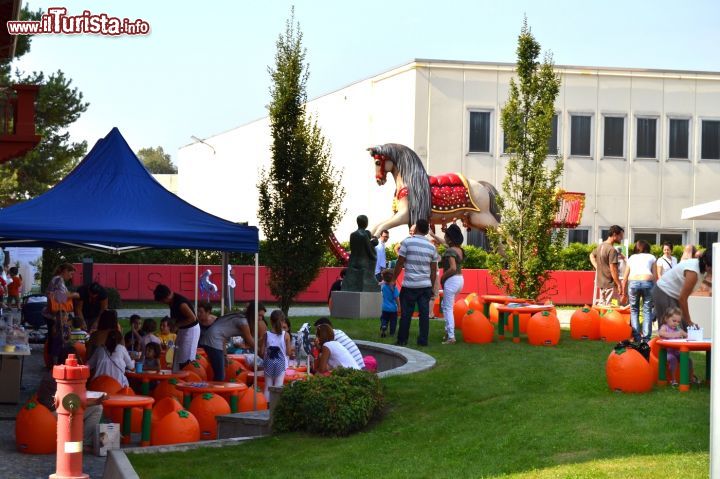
(380, 250)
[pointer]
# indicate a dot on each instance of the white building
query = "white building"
(641, 144)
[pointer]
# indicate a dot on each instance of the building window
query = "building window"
(707, 238)
(646, 138)
(578, 235)
(659, 237)
(614, 137)
(479, 132)
(679, 138)
(710, 149)
(580, 130)
(553, 140)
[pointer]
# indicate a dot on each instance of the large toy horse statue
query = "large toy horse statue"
(442, 199)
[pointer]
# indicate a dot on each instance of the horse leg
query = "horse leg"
(482, 220)
(399, 218)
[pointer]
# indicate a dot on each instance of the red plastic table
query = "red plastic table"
(231, 391)
(685, 347)
(500, 299)
(162, 375)
(504, 311)
(127, 403)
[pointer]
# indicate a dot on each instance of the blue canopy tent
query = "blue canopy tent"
(111, 203)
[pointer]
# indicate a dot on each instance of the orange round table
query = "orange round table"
(231, 391)
(127, 403)
(685, 347)
(500, 299)
(162, 375)
(506, 310)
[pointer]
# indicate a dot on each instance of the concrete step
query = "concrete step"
(244, 424)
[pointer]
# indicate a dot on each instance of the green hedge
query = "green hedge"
(335, 405)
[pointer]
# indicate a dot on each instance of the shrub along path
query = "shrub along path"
(496, 410)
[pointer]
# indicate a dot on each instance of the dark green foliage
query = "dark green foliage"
(525, 249)
(157, 161)
(300, 196)
(576, 257)
(335, 405)
(114, 300)
(58, 105)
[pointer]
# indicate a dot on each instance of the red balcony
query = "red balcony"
(17, 121)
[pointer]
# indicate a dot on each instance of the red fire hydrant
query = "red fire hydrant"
(70, 400)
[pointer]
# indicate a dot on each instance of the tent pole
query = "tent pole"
(197, 280)
(255, 378)
(225, 259)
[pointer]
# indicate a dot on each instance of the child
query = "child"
(275, 347)
(133, 338)
(78, 333)
(167, 337)
(390, 303)
(149, 328)
(152, 357)
(14, 288)
(670, 329)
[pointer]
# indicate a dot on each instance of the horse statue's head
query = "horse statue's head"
(384, 164)
(404, 162)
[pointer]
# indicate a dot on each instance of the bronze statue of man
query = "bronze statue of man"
(361, 268)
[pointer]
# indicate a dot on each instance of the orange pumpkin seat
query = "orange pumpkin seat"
(175, 428)
(627, 371)
(36, 429)
(246, 400)
(543, 329)
(206, 407)
(459, 309)
(167, 389)
(477, 329)
(614, 327)
(206, 366)
(163, 407)
(196, 368)
(585, 324)
(105, 384)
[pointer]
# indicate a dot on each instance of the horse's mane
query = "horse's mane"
(415, 178)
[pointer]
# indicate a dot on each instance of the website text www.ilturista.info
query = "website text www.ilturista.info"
(57, 22)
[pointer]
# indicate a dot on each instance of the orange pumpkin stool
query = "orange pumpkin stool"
(167, 389)
(477, 329)
(459, 309)
(614, 327)
(105, 384)
(36, 430)
(196, 368)
(627, 371)
(206, 366)
(163, 407)
(206, 407)
(175, 428)
(246, 400)
(543, 329)
(585, 324)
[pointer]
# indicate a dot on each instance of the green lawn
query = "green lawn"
(497, 410)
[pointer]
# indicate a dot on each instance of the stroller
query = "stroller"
(32, 317)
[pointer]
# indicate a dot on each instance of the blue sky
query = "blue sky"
(203, 68)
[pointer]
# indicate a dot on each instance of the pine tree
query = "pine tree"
(300, 196)
(526, 247)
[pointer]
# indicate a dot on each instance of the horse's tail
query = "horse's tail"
(492, 193)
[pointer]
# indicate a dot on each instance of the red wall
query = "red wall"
(137, 281)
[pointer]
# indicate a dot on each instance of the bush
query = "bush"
(114, 300)
(576, 257)
(335, 405)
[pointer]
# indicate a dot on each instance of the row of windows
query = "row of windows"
(704, 238)
(614, 135)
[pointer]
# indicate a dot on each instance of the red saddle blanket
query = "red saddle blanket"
(448, 192)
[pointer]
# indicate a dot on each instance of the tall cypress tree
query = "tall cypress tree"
(300, 196)
(526, 247)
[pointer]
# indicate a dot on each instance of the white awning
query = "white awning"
(705, 211)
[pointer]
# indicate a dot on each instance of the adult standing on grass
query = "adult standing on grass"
(604, 259)
(188, 332)
(419, 258)
(638, 282)
(666, 262)
(674, 288)
(452, 279)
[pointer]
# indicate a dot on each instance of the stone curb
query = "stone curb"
(415, 361)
